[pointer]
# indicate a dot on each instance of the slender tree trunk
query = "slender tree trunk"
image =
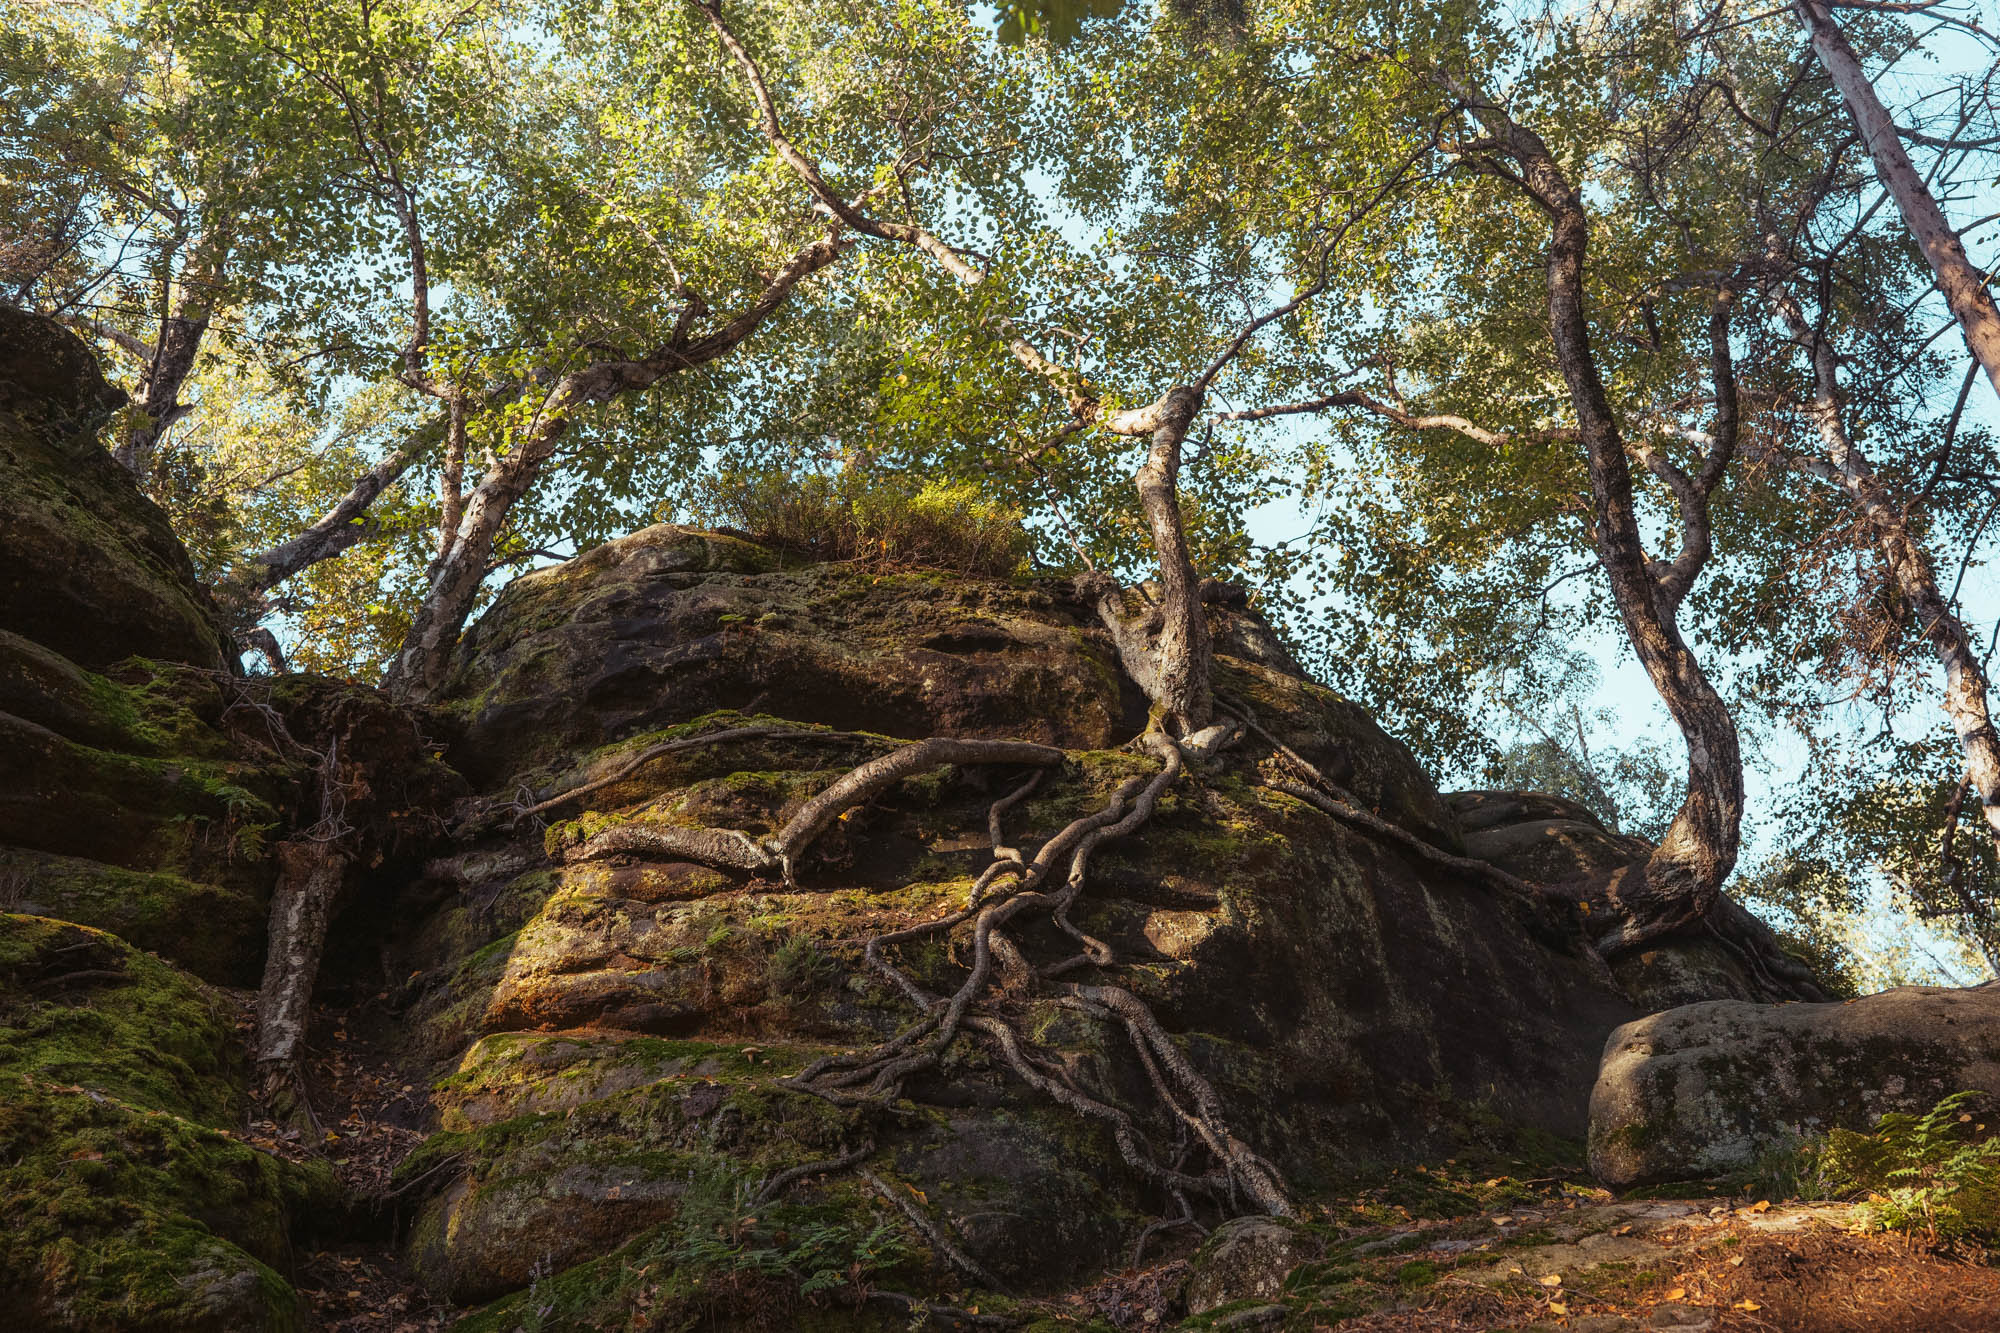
(424, 662)
(1965, 683)
(302, 907)
(342, 525)
(451, 481)
(1699, 849)
(1963, 285)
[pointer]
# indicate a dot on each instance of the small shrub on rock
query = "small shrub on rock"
(850, 516)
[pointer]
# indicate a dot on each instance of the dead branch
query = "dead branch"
(931, 1232)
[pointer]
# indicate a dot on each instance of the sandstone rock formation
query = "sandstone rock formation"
(142, 789)
(611, 1029)
(605, 1045)
(1705, 1089)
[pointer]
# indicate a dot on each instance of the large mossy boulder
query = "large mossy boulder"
(130, 1200)
(1705, 1090)
(611, 1033)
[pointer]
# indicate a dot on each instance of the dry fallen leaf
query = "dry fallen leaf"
(1746, 1304)
(1677, 1293)
(1761, 1206)
(1557, 1307)
(1736, 1261)
(1552, 1280)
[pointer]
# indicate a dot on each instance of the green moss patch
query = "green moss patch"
(129, 1202)
(801, 1263)
(215, 931)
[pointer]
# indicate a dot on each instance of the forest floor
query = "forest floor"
(1599, 1265)
(370, 1115)
(1424, 1251)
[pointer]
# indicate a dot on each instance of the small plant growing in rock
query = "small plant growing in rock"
(723, 1230)
(798, 966)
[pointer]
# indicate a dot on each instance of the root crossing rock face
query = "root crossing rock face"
(1705, 1089)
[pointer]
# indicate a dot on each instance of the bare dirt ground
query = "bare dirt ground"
(1597, 1265)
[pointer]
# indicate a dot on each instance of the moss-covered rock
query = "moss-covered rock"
(543, 1190)
(214, 930)
(1247, 1259)
(602, 1027)
(130, 1203)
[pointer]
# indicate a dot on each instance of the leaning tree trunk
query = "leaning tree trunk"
(1961, 282)
(1685, 873)
(309, 881)
(1966, 686)
(1683, 877)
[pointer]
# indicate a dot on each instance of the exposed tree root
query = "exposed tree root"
(791, 1176)
(1344, 809)
(660, 751)
(1330, 798)
(732, 849)
(931, 1313)
(1730, 923)
(1167, 1066)
(931, 1232)
(1010, 887)
(1013, 886)
(1186, 1219)
(1741, 933)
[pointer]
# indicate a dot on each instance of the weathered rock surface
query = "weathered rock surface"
(1247, 1259)
(1540, 837)
(92, 570)
(1705, 1089)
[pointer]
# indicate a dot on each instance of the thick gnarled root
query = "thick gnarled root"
(731, 849)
